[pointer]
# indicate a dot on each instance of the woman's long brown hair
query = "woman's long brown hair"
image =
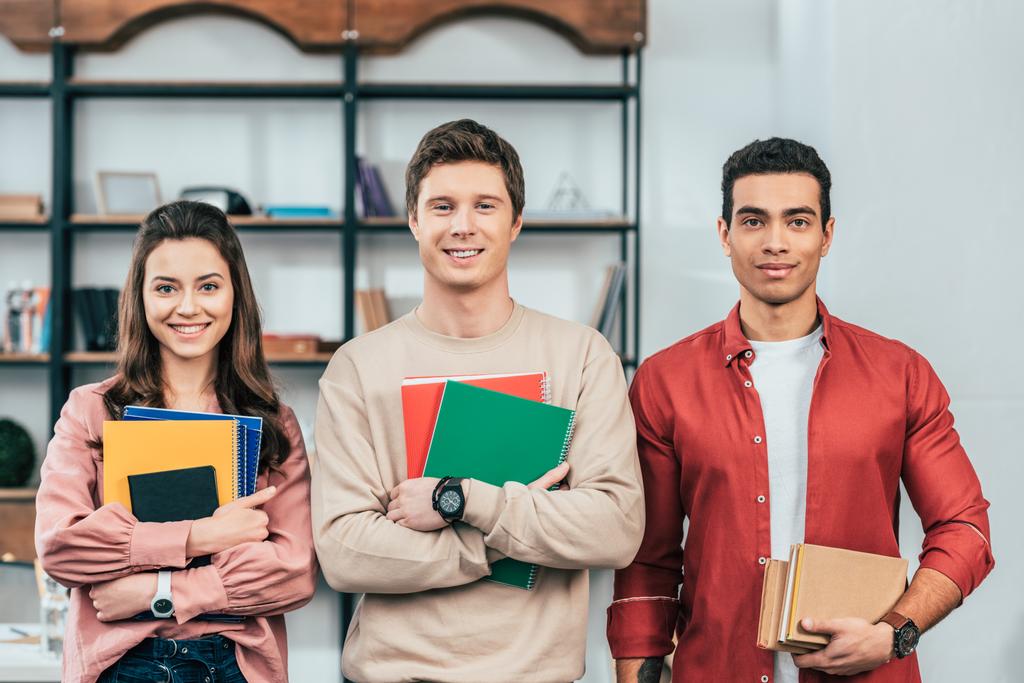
(243, 384)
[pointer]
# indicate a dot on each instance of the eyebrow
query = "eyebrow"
(167, 278)
(788, 213)
(450, 200)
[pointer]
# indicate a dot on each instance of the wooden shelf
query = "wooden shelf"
(611, 224)
(24, 358)
(205, 89)
(22, 493)
(100, 222)
(33, 223)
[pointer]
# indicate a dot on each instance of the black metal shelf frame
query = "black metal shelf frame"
(63, 91)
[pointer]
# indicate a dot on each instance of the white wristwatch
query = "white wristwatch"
(162, 605)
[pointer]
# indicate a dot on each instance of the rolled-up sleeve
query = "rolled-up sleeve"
(943, 486)
(643, 615)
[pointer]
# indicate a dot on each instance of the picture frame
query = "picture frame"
(121, 193)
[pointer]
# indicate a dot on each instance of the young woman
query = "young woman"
(189, 339)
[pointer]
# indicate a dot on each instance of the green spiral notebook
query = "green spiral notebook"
(497, 438)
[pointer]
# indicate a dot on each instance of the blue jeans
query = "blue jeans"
(156, 660)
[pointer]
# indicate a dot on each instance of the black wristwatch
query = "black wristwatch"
(449, 500)
(906, 634)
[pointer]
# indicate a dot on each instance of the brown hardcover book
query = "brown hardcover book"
(833, 583)
(365, 310)
(772, 595)
(20, 205)
(382, 313)
(825, 583)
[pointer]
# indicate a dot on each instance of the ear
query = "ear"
(830, 229)
(722, 228)
(517, 227)
(414, 226)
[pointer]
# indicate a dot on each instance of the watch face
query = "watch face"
(449, 502)
(162, 606)
(907, 640)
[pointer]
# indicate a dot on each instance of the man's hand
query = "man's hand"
(232, 524)
(856, 646)
(412, 501)
(412, 505)
(123, 598)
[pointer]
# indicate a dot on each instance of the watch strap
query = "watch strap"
(896, 620)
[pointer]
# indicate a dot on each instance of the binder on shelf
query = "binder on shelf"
(373, 194)
(607, 306)
(249, 432)
(824, 583)
(421, 397)
(497, 438)
(372, 305)
(131, 448)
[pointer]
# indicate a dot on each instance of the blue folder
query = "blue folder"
(250, 432)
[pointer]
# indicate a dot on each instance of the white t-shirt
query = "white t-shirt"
(783, 374)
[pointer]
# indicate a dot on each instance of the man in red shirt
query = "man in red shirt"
(783, 424)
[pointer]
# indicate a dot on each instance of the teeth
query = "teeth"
(188, 329)
(465, 254)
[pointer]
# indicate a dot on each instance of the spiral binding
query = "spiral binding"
(532, 581)
(568, 437)
(545, 388)
(234, 461)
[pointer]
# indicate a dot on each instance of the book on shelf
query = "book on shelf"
(373, 195)
(297, 211)
(20, 206)
(291, 344)
(497, 438)
(373, 309)
(24, 321)
(607, 307)
(824, 583)
(96, 309)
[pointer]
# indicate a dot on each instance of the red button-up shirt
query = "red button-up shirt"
(878, 414)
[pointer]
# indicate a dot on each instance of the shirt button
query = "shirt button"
(758, 439)
(760, 499)
(762, 560)
(748, 384)
(729, 357)
(748, 354)
(764, 679)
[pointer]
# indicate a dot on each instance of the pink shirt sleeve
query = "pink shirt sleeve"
(271, 577)
(79, 541)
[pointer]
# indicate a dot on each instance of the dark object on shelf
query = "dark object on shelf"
(17, 454)
(372, 193)
(227, 200)
(97, 314)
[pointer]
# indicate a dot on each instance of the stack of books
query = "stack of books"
(97, 314)
(824, 583)
(373, 195)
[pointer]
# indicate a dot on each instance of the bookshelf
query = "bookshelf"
(65, 91)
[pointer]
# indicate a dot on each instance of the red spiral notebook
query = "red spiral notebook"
(421, 398)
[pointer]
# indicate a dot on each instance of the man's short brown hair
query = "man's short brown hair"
(465, 140)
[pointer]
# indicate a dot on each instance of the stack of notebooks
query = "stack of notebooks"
(824, 583)
(493, 428)
(170, 465)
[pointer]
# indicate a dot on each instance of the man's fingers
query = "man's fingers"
(258, 498)
(551, 477)
(826, 626)
(396, 514)
(392, 504)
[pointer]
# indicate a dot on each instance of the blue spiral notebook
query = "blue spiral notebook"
(250, 433)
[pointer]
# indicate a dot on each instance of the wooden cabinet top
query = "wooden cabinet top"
(594, 26)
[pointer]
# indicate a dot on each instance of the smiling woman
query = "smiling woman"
(189, 339)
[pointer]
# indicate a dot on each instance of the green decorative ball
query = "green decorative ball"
(17, 454)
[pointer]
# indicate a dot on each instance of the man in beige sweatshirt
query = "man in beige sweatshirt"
(425, 615)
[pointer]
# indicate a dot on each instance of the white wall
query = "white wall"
(914, 106)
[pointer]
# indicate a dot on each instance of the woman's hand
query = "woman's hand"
(232, 524)
(123, 598)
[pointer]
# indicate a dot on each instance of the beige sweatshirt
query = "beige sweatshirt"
(425, 615)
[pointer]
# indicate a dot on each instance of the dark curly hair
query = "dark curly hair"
(776, 155)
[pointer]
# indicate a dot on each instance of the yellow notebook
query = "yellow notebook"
(144, 447)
